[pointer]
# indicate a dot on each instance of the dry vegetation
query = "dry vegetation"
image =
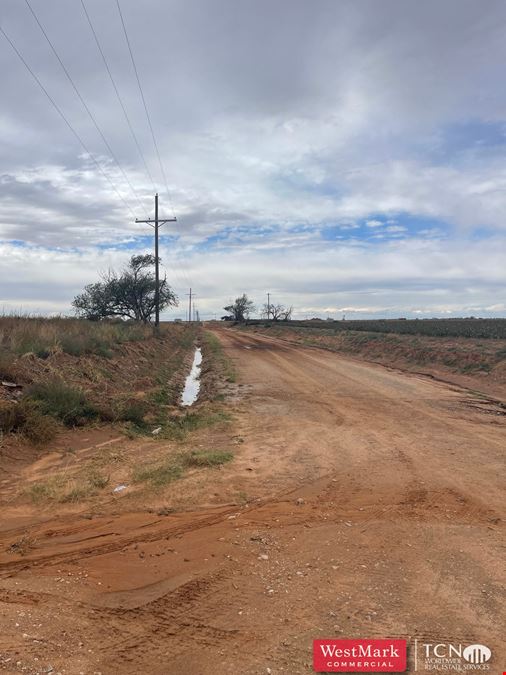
(62, 372)
(59, 375)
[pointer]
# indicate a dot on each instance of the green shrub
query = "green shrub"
(26, 418)
(134, 411)
(7, 367)
(12, 416)
(62, 402)
(38, 428)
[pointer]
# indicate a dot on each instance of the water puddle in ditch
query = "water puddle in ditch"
(192, 383)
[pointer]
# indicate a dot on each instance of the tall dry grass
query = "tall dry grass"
(42, 336)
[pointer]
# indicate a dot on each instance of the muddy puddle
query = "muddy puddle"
(192, 383)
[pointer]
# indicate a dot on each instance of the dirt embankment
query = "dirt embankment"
(470, 362)
(55, 399)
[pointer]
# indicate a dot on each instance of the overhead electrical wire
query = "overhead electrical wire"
(95, 161)
(150, 125)
(85, 105)
(64, 118)
(118, 96)
(162, 170)
(184, 269)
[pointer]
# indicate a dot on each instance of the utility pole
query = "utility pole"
(191, 304)
(157, 223)
(268, 306)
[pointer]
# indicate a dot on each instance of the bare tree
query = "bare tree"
(277, 312)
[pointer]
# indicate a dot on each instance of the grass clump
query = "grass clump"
(38, 428)
(134, 411)
(160, 474)
(172, 468)
(178, 427)
(208, 458)
(63, 402)
(12, 416)
(65, 489)
(213, 349)
(47, 490)
(26, 418)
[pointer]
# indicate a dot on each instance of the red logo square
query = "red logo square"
(359, 656)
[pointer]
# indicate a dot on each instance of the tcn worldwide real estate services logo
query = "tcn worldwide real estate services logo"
(390, 656)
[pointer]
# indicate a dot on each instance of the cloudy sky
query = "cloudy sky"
(345, 156)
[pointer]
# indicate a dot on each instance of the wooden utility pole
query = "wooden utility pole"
(191, 305)
(268, 306)
(157, 223)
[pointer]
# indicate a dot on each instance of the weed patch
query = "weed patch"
(65, 489)
(160, 474)
(63, 402)
(208, 458)
(178, 427)
(26, 418)
(213, 351)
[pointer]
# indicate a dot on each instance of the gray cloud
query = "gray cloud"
(268, 115)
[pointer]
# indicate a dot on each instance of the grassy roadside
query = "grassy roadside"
(217, 360)
(43, 337)
(77, 373)
(209, 412)
(186, 440)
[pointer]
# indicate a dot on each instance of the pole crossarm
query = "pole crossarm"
(156, 222)
(152, 221)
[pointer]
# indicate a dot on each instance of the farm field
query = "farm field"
(471, 327)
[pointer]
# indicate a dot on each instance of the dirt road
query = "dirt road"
(372, 505)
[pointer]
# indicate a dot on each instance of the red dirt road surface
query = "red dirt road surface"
(373, 506)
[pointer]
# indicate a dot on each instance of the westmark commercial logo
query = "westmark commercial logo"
(359, 656)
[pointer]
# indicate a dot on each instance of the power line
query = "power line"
(162, 170)
(64, 118)
(148, 117)
(90, 114)
(118, 96)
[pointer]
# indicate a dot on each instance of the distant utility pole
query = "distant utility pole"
(268, 306)
(156, 223)
(194, 311)
(191, 304)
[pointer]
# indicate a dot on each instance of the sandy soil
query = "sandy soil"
(371, 504)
